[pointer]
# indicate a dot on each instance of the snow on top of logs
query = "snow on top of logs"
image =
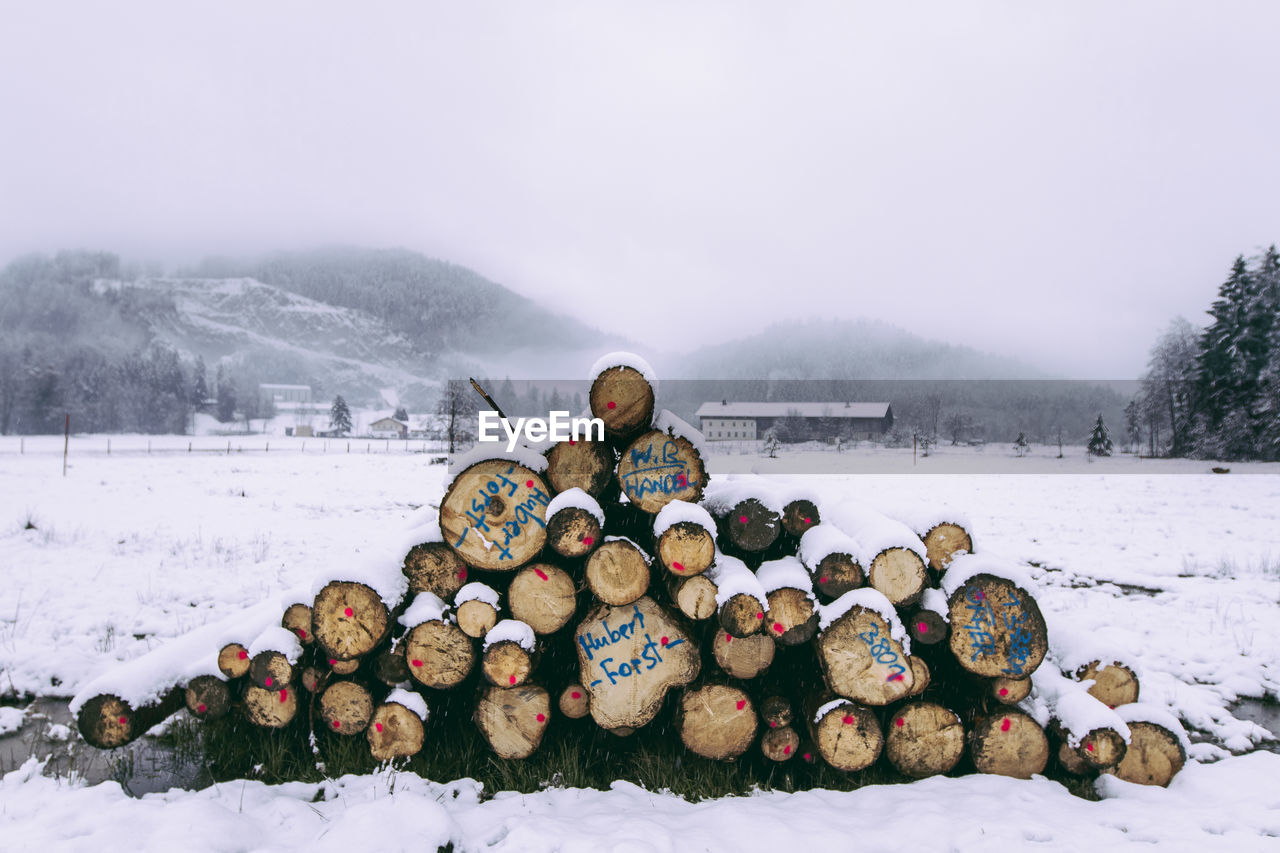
(678, 511)
(1070, 704)
(643, 553)
(423, 521)
(575, 498)
(521, 454)
(625, 359)
(277, 639)
(786, 573)
(868, 599)
(145, 679)
(724, 493)
(513, 631)
(873, 530)
(966, 566)
(1145, 712)
(426, 607)
(413, 701)
(923, 517)
(382, 570)
(671, 424)
(826, 539)
(732, 577)
(828, 708)
(936, 600)
(476, 591)
(297, 595)
(1074, 648)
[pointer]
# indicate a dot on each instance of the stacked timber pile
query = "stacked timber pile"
(612, 580)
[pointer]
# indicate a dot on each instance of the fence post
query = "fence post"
(66, 443)
(108, 447)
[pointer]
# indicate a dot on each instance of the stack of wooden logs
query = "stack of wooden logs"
(759, 618)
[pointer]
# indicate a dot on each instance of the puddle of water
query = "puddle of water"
(1265, 713)
(145, 766)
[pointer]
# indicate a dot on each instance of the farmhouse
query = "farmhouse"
(284, 397)
(725, 421)
(389, 428)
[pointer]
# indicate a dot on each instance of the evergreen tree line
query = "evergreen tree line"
(1215, 392)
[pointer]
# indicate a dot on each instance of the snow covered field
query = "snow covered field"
(1173, 566)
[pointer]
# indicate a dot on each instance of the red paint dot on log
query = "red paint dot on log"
(665, 641)
(268, 681)
(540, 573)
(337, 724)
(777, 626)
(742, 703)
(587, 540)
(348, 612)
(1089, 747)
(417, 662)
(302, 633)
(742, 519)
(900, 722)
(808, 757)
(773, 724)
(528, 484)
(922, 627)
(786, 750)
(284, 694)
(542, 717)
(612, 405)
(512, 679)
(897, 676)
(760, 615)
(572, 442)
(243, 654)
(822, 580)
(332, 661)
(808, 521)
(1004, 691)
(462, 574)
(679, 567)
(728, 638)
(377, 727)
(200, 709)
(124, 720)
(1006, 725)
(577, 695)
(848, 719)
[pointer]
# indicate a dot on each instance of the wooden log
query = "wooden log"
(1008, 743)
(717, 721)
(742, 615)
(1010, 691)
(208, 697)
(745, 657)
(1098, 749)
(494, 515)
(395, 730)
(751, 525)
(899, 574)
(996, 628)
(846, 735)
(513, 719)
(775, 712)
(861, 659)
(686, 538)
(349, 620)
(741, 599)
(926, 627)
(436, 568)
(831, 557)
(297, 618)
(943, 541)
(920, 675)
(695, 597)
(270, 709)
(581, 464)
(345, 707)
(618, 572)
(893, 555)
(658, 468)
(270, 670)
(574, 702)
(476, 609)
(390, 666)
(1155, 755)
(439, 654)
(622, 398)
(1114, 684)
(344, 667)
(780, 744)
(629, 657)
(543, 597)
(233, 660)
(792, 616)
(313, 679)
(107, 721)
(506, 664)
(924, 739)
(572, 532)
(799, 516)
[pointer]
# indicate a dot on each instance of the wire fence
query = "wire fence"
(135, 445)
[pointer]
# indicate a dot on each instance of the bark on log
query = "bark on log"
(775, 712)
(494, 515)
(717, 721)
(349, 620)
(899, 574)
(297, 618)
(996, 628)
(271, 709)
(581, 464)
(861, 661)
(791, 618)
(390, 667)
(106, 721)
(1010, 691)
(543, 597)
(799, 516)
(476, 617)
(395, 732)
(439, 654)
(506, 664)
(573, 532)
(1113, 684)
(345, 707)
(233, 660)
(686, 549)
(847, 736)
(751, 526)
(513, 719)
(741, 615)
(1155, 755)
(944, 541)
(618, 573)
(658, 468)
(1101, 748)
(436, 568)
(574, 702)
(695, 597)
(780, 744)
(745, 657)
(924, 739)
(836, 574)
(921, 675)
(629, 657)
(208, 697)
(313, 679)
(1009, 743)
(270, 670)
(623, 399)
(344, 667)
(926, 627)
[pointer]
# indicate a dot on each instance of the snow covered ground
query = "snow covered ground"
(1175, 567)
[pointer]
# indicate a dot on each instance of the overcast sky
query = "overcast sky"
(1050, 181)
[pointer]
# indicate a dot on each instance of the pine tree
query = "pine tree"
(771, 443)
(1021, 445)
(401, 414)
(200, 385)
(1221, 381)
(1100, 441)
(226, 397)
(1132, 425)
(339, 417)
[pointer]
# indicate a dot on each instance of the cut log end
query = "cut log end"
(1113, 684)
(800, 516)
(717, 721)
(695, 596)
(580, 464)
(233, 660)
(439, 654)
(618, 573)
(394, 732)
(436, 568)
(658, 468)
(476, 617)
(207, 697)
(270, 670)
(573, 532)
(752, 526)
(861, 661)
(1155, 755)
(899, 574)
(107, 722)
(349, 620)
(792, 618)
(1009, 743)
(780, 744)
(742, 615)
(924, 739)
(623, 399)
(1010, 691)
(271, 709)
(996, 628)
(506, 664)
(837, 574)
(686, 549)
(513, 719)
(775, 712)
(543, 597)
(390, 667)
(574, 702)
(1102, 748)
(926, 627)
(944, 541)
(345, 708)
(745, 657)
(297, 619)
(494, 515)
(848, 737)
